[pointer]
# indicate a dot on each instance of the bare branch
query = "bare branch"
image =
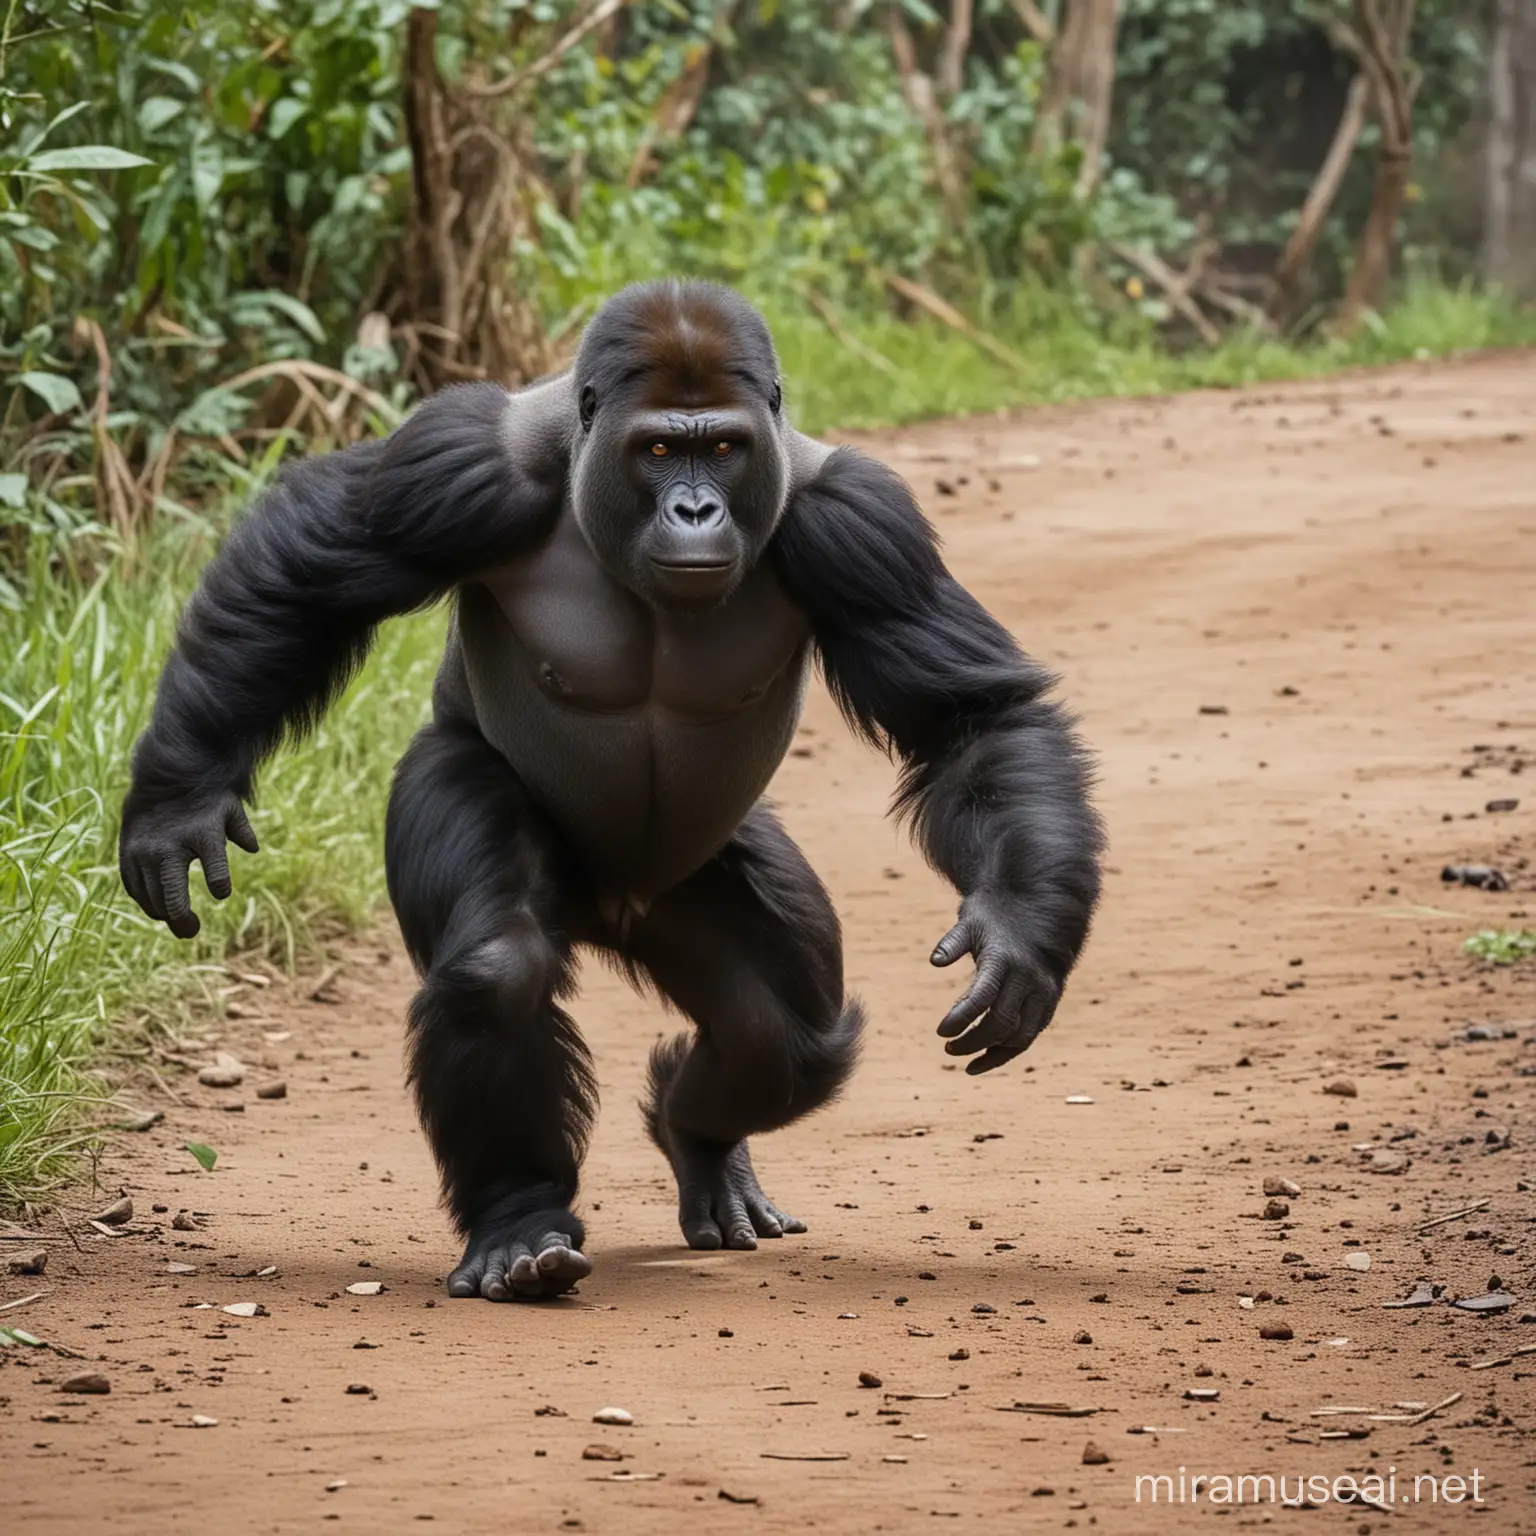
(1320, 196)
(1176, 285)
(1036, 22)
(585, 25)
(957, 40)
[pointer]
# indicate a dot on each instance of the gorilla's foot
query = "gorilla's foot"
(720, 1204)
(531, 1258)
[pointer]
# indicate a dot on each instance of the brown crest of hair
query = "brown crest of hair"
(690, 348)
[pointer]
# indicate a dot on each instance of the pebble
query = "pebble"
(91, 1383)
(1384, 1161)
(226, 1076)
(1078, 1098)
(1287, 1187)
(1094, 1456)
(183, 1222)
(1203, 1394)
(1482, 877)
(1342, 1088)
(613, 1416)
(1082, 1336)
(1276, 1210)
(959, 1354)
(1499, 807)
(602, 1453)
(180, 1269)
(869, 1379)
(336, 1485)
(358, 1389)
(1493, 1301)
(982, 1307)
(204, 1421)
(245, 1309)
(1423, 1295)
(365, 1288)
(28, 1263)
(1359, 1261)
(118, 1214)
(1278, 1331)
(272, 1091)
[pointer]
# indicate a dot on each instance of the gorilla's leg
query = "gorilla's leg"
(485, 896)
(749, 949)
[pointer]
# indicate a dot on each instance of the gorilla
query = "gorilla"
(645, 557)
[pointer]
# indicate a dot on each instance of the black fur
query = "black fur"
(994, 779)
(551, 515)
(484, 896)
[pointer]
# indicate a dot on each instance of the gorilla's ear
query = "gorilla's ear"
(776, 397)
(588, 407)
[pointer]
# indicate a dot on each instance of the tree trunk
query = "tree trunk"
(927, 104)
(1314, 212)
(1511, 238)
(454, 302)
(1373, 255)
(1381, 31)
(1079, 88)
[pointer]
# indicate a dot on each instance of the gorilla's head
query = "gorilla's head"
(680, 470)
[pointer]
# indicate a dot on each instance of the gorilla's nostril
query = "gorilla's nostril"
(702, 510)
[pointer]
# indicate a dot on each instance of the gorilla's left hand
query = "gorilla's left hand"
(1013, 986)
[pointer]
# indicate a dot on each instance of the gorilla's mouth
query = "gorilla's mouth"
(694, 579)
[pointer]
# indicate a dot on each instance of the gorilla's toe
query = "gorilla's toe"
(720, 1202)
(514, 1263)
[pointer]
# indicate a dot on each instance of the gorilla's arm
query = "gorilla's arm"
(287, 609)
(995, 782)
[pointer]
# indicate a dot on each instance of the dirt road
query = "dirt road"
(1300, 625)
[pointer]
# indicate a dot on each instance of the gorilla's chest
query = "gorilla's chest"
(591, 644)
(647, 736)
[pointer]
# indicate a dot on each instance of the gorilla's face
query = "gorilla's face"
(680, 475)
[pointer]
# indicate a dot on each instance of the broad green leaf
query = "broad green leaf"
(53, 389)
(86, 157)
(35, 236)
(207, 173)
(295, 309)
(286, 111)
(157, 111)
(13, 490)
(63, 117)
(206, 1156)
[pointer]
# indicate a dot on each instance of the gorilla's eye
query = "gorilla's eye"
(658, 450)
(721, 449)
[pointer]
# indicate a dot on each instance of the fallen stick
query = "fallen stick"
(809, 1456)
(1514, 1354)
(1470, 1210)
(1152, 266)
(926, 298)
(860, 349)
(1057, 1410)
(1435, 1408)
(22, 1301)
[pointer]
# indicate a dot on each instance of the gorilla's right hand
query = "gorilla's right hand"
(160, 838)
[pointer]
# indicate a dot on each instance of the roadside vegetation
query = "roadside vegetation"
(232, 232)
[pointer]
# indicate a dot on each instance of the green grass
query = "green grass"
(80, 967)
(1069, 355)
(1501, 946)
(86, 981)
